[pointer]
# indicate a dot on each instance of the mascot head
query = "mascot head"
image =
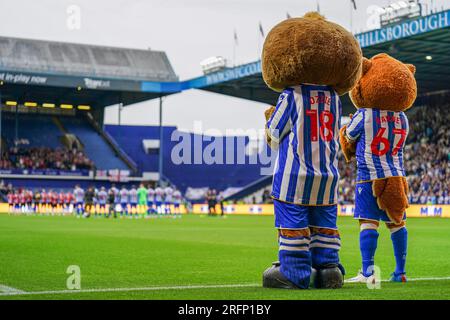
(386, 84)
(311, 50)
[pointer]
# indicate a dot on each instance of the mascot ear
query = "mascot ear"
(366, 65)
(411, 68)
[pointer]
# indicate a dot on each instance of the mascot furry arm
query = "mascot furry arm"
(268, 114)
(348, 145)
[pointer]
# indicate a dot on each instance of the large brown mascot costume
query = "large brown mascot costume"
(376, 135)
(311, 61)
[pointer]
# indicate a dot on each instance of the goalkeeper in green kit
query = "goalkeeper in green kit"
(142, 198)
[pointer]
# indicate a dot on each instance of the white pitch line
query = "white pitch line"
(9, 290)
(218, 286)
(413, 279)
(131, 289)
(429, 279)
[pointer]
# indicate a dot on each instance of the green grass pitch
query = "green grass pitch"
(197, 250)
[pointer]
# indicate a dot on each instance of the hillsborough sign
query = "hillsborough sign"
(406, 29)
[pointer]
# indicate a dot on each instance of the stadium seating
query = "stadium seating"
(95, 146)
(129, 138)
(39, 130)
(97, 61)
(43, 131)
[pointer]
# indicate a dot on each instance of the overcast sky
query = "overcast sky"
(188, 31)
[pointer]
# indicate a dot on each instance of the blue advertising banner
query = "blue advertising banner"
(207, 80)
(46, 172)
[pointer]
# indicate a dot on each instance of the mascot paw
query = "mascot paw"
(392, 196)
(268, 113)
(348, 147)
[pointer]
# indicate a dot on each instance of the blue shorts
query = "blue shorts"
(158, 203)
(176, 205)
(123, 205)
(149, 203)
(102, 205)
(133, 204)
(294, 216)
(366, 206)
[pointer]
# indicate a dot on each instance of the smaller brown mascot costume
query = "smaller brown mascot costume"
(376, 134)
(311, 61)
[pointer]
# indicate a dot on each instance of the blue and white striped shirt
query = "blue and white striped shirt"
(380, 138)
(305, 128)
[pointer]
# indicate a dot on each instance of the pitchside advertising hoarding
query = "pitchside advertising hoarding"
(343, 210)
(45, 172)
(415, 210)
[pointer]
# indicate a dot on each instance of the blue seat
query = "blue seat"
(95, 147)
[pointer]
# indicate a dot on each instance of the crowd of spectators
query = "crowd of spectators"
(22, 157)
(426, 159)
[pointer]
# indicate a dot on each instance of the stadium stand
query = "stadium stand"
(130, 138)
(197, 175)
(95, 146)
(53, 95)
(428, 156)
(78, 59)
(40, 146)
(39, 130)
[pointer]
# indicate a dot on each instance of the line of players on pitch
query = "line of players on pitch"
(144, 201)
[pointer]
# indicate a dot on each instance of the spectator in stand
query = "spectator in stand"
(45, 158)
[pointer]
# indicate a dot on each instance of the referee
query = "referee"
(111, 203)
(89, 201)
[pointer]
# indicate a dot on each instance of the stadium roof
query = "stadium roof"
(45, 71)
(58, 72)
(424, 42)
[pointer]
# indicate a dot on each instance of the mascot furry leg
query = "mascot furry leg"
(308, 248)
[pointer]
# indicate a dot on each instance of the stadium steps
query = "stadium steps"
(67, 139)
(250, 188)
(113, 144)
(59, 125)
(95, 146)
